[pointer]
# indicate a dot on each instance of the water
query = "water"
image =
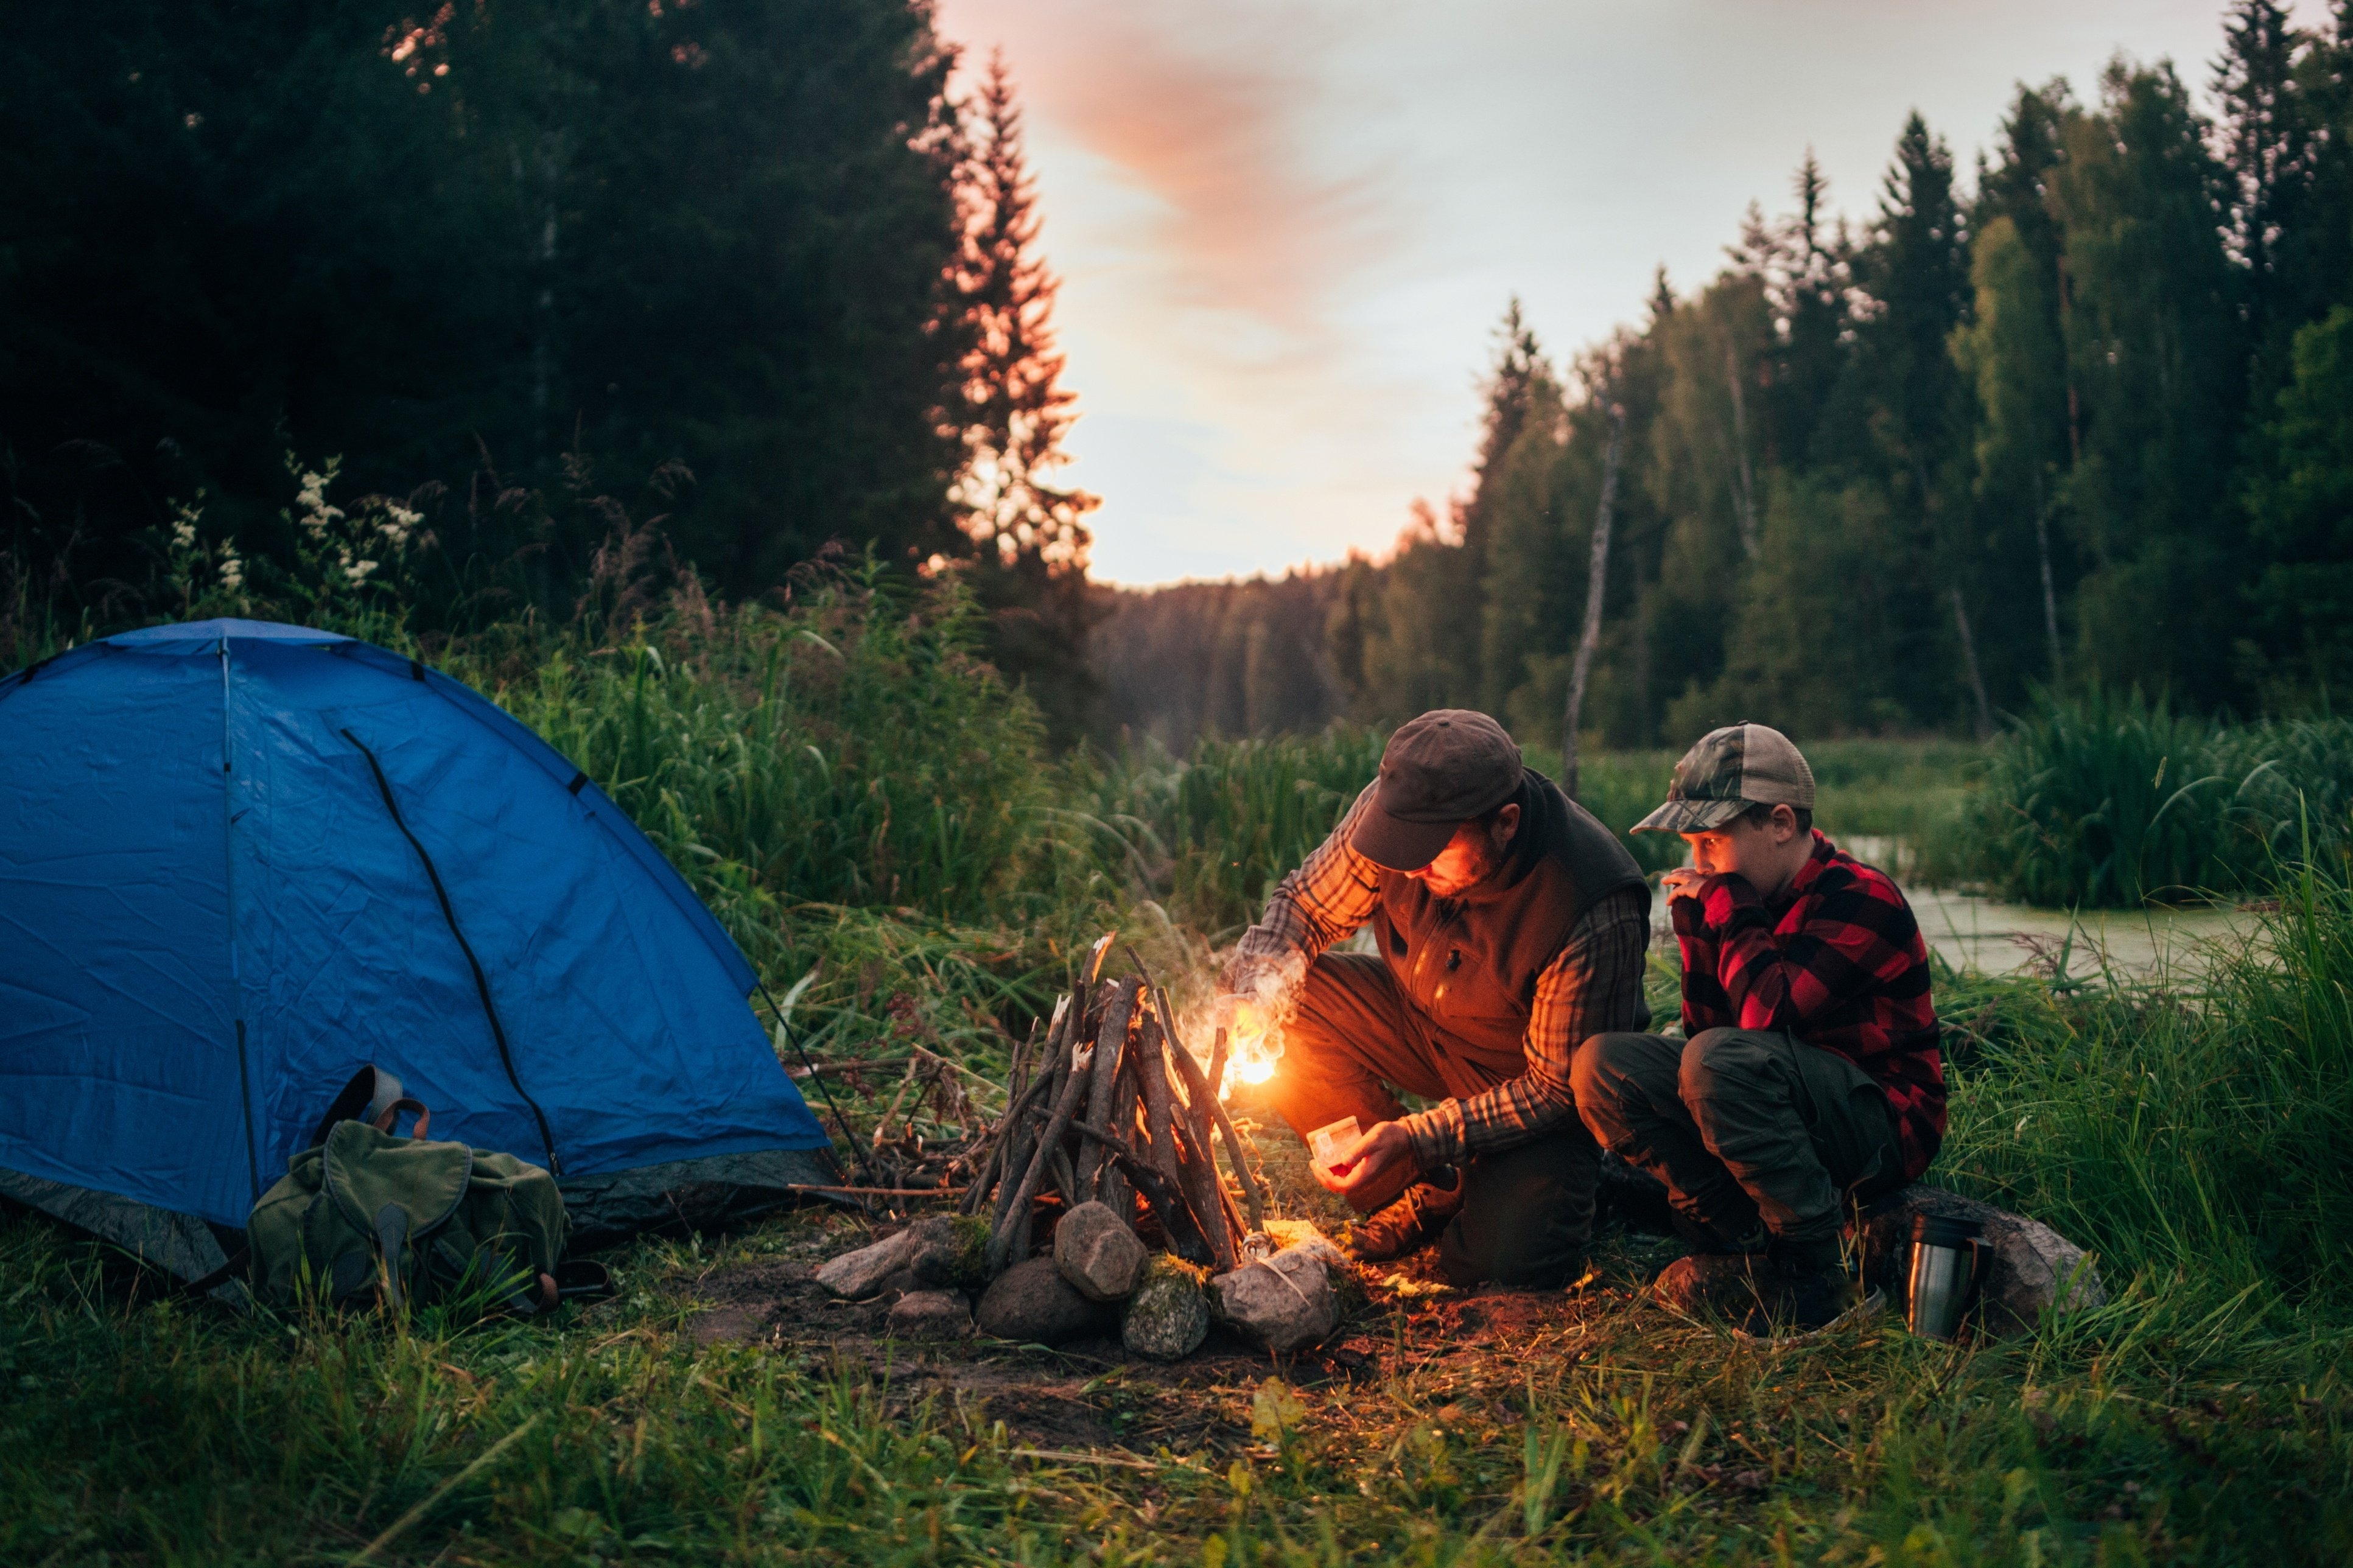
(1990, 937)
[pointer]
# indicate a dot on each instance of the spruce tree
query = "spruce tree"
(2268, 142)
(1026, 540)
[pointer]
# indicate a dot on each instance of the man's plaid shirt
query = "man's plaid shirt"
(1841, 964)
(1593, 987)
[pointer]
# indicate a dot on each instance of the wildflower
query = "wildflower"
(232, 570)
(183, 534)
(312, 499)
(358, 569)
(398, 522)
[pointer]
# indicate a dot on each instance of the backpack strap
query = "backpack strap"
(383, 1120)
(370, 1094)
(233, 1269)
(391, 1240)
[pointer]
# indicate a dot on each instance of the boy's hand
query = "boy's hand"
(1683, 882)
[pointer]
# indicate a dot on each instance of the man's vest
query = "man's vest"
(1470, 963)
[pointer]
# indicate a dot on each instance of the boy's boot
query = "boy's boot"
(1802, 1286)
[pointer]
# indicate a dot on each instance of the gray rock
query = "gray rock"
(931, 1315)
(859, 1274)
(949, 1252)
(1098, 1254)
(1033, 1303)
(1284, 1302)
(2028, 1263)
(1169, 1316)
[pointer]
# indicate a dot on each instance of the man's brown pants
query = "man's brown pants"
(1742, 1125)
(1526, 1212)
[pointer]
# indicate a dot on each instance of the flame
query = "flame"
(1254, 1044)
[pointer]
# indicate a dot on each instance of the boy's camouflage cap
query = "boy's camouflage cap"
(1730, 771)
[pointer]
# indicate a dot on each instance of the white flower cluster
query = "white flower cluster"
(399, 523)
(312, 499)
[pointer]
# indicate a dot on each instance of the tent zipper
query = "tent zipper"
(481, 981)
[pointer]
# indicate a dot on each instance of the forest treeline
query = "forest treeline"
(744, 270)
(2085, 417)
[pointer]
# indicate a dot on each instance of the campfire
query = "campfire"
(1112, 1108)
(1106, 1156)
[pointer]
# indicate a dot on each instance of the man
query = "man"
(1510, 926)
(1809, 1070)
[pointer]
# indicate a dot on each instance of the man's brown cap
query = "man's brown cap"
(1438, 772)
(1730, 771)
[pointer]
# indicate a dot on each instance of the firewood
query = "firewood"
(1207, 1095)
(1012, 1233)
(1159, 1114)
(1197, 1174)
(1162, 1196)
(1111, 1040)
(1020, 1145)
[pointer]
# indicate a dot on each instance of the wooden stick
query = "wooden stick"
(1016, 1230)
(1019, 1146)
(1152, 1076)
(1251, 1193)
(1217, 1074)
(1111, 1043)
(879, 1192)
(1112, 1185)
(1176, 1218)
(1198, 1170)
(914, 1065)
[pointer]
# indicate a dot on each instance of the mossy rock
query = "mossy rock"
(1169, 1316)
(951, 1252)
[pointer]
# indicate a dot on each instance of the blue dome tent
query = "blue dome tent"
(241, 861)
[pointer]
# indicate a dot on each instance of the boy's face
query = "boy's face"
(1768, 854)
(1737, 847)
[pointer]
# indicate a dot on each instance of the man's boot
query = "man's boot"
(1409, 1222)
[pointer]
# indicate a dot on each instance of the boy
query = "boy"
(1810, 1072)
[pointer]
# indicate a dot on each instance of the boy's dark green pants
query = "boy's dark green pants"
(1742, 1125)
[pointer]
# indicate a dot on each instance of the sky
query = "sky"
(1287, 228)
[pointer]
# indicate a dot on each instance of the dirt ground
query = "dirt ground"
(1091, 1396)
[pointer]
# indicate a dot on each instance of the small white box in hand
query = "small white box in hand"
(1328, 1142)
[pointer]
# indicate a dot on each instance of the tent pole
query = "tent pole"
(228, 882)
(794, 1040)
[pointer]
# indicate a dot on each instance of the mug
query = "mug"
(1948, 1267)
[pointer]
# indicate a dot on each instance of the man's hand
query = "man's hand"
(1362, 1164)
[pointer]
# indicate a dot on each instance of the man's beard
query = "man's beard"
(1485, 868)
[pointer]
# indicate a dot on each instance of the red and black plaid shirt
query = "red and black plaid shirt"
(1840, 966)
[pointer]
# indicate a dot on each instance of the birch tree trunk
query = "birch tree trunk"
(1596, 583)
(1744, 494)
(2049, 593)
(1969, 663)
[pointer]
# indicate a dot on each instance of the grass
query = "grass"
(872, 815)
(2107, 799)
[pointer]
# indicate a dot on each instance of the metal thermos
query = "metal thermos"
(1947, 1267)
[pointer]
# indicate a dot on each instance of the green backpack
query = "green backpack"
(368, 1217)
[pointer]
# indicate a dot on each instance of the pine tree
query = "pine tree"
(2027, 420)
(1511, 389)
(2155, 348)
(1027, 535)
(2267, 141)
(1915, 273)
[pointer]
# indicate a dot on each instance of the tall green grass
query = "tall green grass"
(2191, 1128)
(2111, 800)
